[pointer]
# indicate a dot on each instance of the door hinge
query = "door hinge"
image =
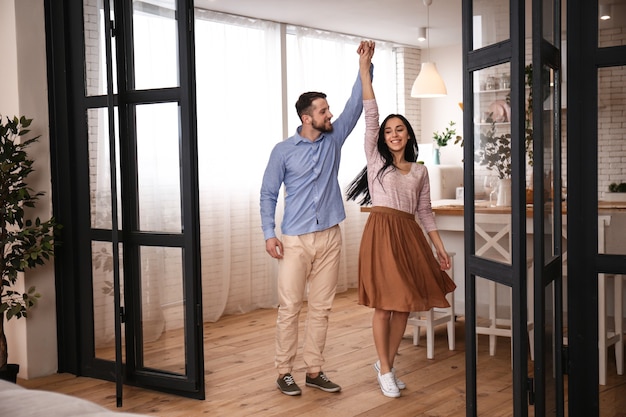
(531, 391)
(122, 315)
(113, 30)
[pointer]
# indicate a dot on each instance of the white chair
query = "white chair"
(501, 327)
(610, 335)
(495, 230)
(434, 317)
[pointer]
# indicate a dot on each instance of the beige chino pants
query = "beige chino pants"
(310, 261)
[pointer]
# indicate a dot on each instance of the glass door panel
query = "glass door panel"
(611, 196)
(95, 49)
(611, 23)
(162, 309)
(543, 134)
(491, 22)
(492, 162)
(155, 37)
(611, 159)
(551, 248)
(493, 349)
(98, 146)
(549, 349)
(103, 305)
(158, 167)
(100, 169)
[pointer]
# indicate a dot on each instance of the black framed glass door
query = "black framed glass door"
(132, 141)
(549, 209)
(597, 258)
(512, 220)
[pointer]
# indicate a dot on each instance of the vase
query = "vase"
(615, 197)
(436, 158)
(504, 192)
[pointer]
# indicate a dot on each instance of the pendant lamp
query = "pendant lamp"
(428, 82)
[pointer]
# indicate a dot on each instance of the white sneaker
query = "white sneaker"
(399, 383)
(388, 385)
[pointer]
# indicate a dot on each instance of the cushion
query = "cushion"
(17, 401)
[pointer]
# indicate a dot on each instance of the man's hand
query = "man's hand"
(366, 52)
(274, 247)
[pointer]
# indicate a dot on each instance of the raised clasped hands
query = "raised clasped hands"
(366, 52)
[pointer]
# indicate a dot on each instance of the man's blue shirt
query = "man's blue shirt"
(313, 198)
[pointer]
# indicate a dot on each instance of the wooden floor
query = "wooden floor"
(240, 378)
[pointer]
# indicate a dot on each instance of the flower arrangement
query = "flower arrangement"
(441, 139)
(494, 152)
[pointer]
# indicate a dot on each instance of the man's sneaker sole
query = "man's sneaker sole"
(299, 392)
(324, 384)
(337, 389)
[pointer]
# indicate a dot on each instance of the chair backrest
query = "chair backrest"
(493, 240)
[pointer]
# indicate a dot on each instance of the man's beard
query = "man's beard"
(322, 127)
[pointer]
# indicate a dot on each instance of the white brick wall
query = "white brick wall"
(408, 66)
(611, 117)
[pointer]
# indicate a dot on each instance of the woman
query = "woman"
(398, 272)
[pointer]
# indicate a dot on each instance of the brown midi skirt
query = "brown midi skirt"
(397, 268)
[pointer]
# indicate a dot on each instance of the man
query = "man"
(307, 164)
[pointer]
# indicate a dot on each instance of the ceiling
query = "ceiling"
(396, 21)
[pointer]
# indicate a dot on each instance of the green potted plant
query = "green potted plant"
(528, 115)
(494, 151)
(618, 188)
(617, 192)
(441, 140)
(25, 243)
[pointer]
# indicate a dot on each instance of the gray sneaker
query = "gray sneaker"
(288, 386)
(322, 382)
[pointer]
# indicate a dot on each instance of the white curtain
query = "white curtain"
(249, 76)
(240, 118)
(327, 62)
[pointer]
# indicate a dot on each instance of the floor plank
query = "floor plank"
(240, 377)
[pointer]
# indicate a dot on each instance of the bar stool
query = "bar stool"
(609, 336)
(434, 317)
(495, 230)
(501, 327)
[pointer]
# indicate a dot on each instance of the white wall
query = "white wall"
(32, 342)
(8, 51)
(438, 112)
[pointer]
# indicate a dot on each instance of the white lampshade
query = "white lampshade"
(421, 34)
(428, 83)
(605, 12)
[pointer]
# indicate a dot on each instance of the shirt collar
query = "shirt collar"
(298, 138)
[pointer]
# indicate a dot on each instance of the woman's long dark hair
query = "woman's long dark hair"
(358, 186)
